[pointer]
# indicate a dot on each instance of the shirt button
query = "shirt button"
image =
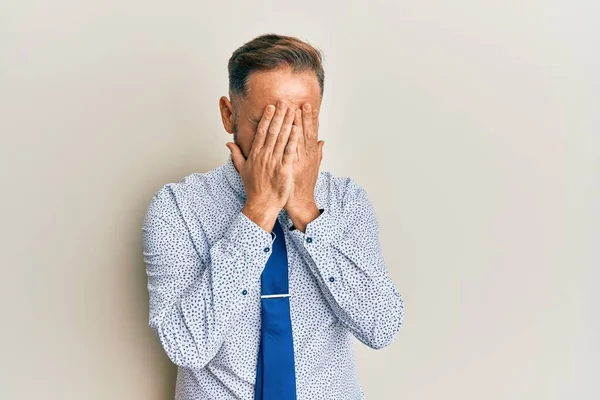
(331, 279)
(267, 249)
(244, 292)
(309, 240)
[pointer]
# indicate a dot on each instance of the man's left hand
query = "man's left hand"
(301, 205)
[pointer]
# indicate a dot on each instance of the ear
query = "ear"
(321, 143)
(226, 113)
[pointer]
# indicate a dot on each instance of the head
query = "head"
(263, 71)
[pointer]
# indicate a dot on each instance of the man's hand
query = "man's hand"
(267, 173)
(301, 205)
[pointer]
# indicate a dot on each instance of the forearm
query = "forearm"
(192, 327)
(354, 280)
(196, 298)
(341, 247)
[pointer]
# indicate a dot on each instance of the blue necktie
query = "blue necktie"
(275, 373)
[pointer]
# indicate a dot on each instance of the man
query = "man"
(262, 270)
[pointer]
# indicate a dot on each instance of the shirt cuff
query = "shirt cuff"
(249, 239)
(319, 234)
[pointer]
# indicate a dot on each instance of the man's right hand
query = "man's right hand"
(267, 173)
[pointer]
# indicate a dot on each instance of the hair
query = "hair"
(269, 52)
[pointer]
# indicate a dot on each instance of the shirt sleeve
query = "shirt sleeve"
(320, 212)
(343, 252)
(197, 291)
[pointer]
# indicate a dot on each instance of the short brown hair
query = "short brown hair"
(271, 51)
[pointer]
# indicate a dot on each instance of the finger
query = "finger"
(261, 131)
(289, 155)
(307, 123)
(275, 126)
(284, 134)
(315, 123)
(298, 123)
(236, 155)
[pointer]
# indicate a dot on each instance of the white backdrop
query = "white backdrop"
(473, 125)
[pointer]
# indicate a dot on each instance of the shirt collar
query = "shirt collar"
(234, 178)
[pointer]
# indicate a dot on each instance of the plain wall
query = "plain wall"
(474, 126)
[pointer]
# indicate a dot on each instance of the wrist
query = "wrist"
(261, 215)
(300, 204)
(303, 215)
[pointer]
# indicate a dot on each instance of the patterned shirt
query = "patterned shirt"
(204, 259)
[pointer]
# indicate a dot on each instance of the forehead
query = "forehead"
(268, 87)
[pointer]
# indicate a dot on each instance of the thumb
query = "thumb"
(236, 155)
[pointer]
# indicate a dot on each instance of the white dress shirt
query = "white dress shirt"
(204, 259)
